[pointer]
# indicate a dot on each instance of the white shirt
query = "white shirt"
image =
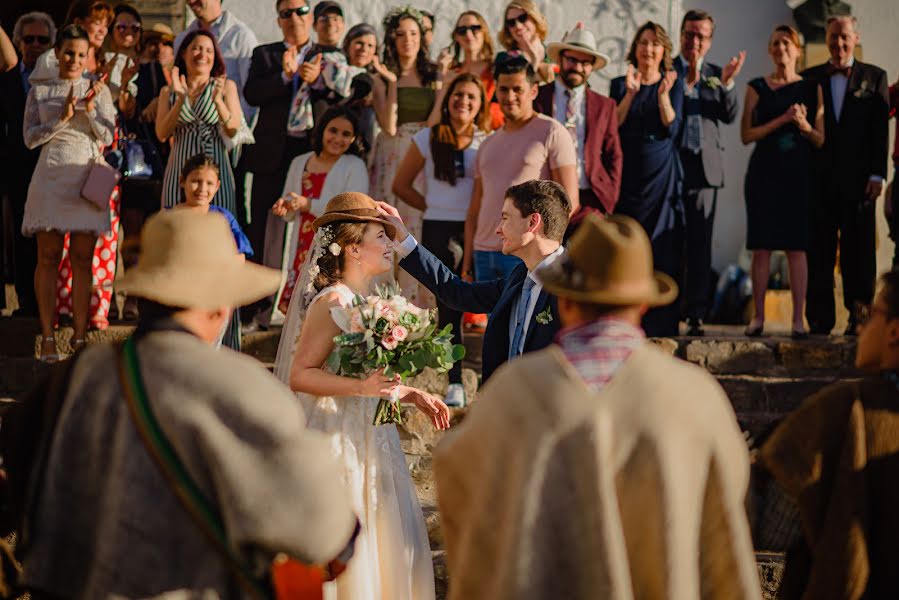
(448, 202)
(532, 303)
(838, 85)
(405, 248)
(560, 109)
(236, 41)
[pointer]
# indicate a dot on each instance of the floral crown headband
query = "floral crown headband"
(394, 15)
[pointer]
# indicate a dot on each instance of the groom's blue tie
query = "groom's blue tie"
(520, 315)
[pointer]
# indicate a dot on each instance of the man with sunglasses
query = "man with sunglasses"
(590, 119)
(710, 100)
(33, 34)
(235, 40)
(837, 458)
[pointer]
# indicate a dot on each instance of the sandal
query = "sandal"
(755, 332)
(78, 344)
(52, 357)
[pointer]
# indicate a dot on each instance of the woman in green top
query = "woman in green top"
(404, 94)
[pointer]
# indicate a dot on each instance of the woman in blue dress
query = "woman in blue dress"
(650, 109)
(784, 116)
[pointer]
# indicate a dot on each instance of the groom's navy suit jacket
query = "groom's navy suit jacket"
(496, 297)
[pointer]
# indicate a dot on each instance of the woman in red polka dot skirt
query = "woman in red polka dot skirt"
(104, 269)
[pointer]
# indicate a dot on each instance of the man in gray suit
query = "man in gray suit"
(710, 99)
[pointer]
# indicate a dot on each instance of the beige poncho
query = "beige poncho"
(551, 490)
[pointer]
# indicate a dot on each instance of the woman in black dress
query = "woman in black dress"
(784, 116)
(650, 111)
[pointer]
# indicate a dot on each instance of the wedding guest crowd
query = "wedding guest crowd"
(480, 167)
(658, 156)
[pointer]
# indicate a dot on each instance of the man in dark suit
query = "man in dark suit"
(523, 316)
(850, 170)
(34, 34)
(588, 116)
(276, 70)
(710, 100)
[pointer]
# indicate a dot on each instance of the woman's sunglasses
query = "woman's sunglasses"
(522, 18)
(302, 11)
(462, 30)
(133, 28)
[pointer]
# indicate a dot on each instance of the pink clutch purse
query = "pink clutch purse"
(101, 181)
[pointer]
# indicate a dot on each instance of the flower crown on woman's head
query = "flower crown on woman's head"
(398, 13)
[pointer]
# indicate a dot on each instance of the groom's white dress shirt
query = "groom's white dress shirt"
(405, 248)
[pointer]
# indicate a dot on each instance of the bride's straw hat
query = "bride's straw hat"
(189, 260)
(608, 261)
(355, 207)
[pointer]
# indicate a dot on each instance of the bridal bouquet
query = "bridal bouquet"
(385, 331)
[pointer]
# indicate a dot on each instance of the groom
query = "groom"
(522, 314)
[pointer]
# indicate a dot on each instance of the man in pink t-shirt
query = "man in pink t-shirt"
(530, 146)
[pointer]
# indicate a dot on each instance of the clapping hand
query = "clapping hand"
(130, 70)
(311, 69)
(90, 99)
(68, 109)
(179, 83)
(667, 82)
(218, 91)
(383, 71)
(289, 61)
(444, 61)
(799, 117)
(732, 68)
(292, 202)
(632, 80)
(391, 214)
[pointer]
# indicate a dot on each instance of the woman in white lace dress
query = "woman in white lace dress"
(71, 119)
(392, 559)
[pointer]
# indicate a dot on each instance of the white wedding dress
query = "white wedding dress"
(392, 559)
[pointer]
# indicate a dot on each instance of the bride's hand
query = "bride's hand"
(429, 404)
(377, 384)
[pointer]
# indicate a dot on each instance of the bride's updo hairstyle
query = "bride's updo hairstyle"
(343, 224)
(330, 265)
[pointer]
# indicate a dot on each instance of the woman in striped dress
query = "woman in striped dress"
(200, 110)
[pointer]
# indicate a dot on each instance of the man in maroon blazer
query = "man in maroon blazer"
(589, 117)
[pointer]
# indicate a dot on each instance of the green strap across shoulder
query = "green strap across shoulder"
(191, 496)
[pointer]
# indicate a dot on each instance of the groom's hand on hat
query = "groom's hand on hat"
(390, 213)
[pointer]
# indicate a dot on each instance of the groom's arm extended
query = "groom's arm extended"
(446, 285)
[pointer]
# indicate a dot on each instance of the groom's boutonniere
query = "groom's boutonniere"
(713, 82)
(545, 317)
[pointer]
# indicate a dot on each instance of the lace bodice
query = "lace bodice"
(343, 291)
(86, 131)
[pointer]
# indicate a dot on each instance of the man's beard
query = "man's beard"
(569, 76)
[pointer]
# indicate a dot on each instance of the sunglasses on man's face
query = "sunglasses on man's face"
(133, 28)
(462, 30)
(302, 11)
(522, 18)
(40, 39)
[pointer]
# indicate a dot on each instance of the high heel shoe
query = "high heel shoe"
(755, 332)
(52, 357)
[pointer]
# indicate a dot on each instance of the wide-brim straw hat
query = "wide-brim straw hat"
(608, 262)
(578, 40)
(190, 260)
(353, 207)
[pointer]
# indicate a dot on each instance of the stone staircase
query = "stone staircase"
(765, 379)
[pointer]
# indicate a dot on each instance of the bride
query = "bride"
(392, 559)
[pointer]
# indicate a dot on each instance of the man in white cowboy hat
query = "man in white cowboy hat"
(106, 520)
(599, 467)
(589, 118)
